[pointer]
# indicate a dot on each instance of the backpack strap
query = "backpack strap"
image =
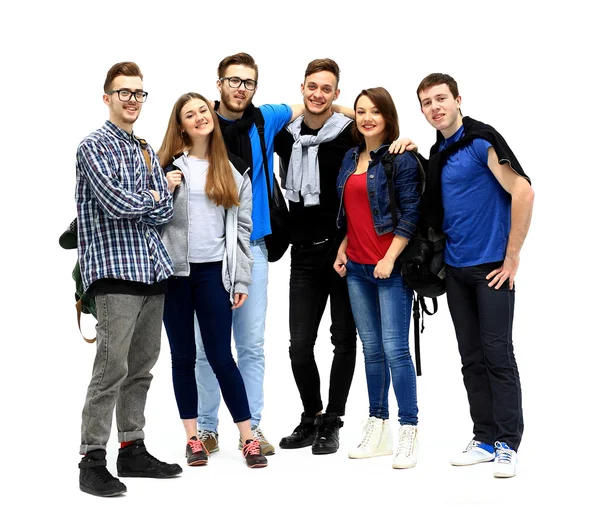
(144, 146)
(259, 121)
(418, 301)
(79, 306)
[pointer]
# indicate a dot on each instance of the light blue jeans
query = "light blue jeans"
(381, 309)
(249, 338)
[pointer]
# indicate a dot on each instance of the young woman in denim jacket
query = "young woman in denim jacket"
(208, 240)
(380, 299)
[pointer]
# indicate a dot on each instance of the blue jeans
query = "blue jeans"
(249, 337)
(202, 294)
(381, 309)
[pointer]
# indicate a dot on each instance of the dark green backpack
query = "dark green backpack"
(83, 303)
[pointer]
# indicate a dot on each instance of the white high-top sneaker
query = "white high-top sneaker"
(408, 445)
(377, 440)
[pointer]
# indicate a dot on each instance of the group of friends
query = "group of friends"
(178, 236)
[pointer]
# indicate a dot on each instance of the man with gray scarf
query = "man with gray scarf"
(311, 149)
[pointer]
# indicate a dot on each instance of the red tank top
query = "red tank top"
(364, 245)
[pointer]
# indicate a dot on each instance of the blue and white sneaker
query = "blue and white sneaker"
(475, 453)
(505, 463)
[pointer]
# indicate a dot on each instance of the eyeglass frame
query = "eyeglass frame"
(242, 82)
(131, 94)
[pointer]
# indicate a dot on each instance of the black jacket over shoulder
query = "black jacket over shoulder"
(433, 211)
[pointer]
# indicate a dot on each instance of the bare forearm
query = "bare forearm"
(396, 247)
(521, 212)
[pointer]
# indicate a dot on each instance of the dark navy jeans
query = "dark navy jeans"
(203, 293)
(483, 319)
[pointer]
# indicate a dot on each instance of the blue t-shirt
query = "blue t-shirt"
(476, 207)
(276, 116)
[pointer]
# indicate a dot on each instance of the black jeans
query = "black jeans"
(483, 319)
(312, 281)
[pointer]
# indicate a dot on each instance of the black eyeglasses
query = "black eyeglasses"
(235, 82)
(125, 95)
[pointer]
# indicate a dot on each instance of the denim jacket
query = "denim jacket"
(406, 186)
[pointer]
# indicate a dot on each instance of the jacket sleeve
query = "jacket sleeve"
(163, 211)
(243, 271)
(408, 194)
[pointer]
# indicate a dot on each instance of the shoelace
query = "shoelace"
(259, 435)
(405, 441)
(503, 455)
(368, 428)
(198, 446)
(472, 445)
(103, 473)
(252, 448)
(326, 431)
(152, 458)
(205, 434)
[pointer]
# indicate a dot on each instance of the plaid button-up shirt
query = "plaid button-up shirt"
(116, 212)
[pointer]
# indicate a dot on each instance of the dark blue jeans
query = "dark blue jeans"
(483, 319)
(381, 309)
(203, 293)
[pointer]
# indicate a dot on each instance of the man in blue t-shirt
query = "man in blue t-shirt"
(237, 83)
(479, 195)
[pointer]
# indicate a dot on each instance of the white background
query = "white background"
(527, 68)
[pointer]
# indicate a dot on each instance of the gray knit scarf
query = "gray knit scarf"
(303, 170)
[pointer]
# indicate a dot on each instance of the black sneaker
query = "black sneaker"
(328, 435)
(95, 479)
(253, 454)
(135, 461)
(196, 453)
(303, 435)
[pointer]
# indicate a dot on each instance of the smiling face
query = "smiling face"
(236, 100)
(369, 121)
(124, 114)
(196, 119)
(319, 90)
(441, 109)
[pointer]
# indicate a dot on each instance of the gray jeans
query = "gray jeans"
(127, 347)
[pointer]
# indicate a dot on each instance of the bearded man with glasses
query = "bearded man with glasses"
(237, 83)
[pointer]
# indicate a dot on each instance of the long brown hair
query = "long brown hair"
(220, 184)
(383, 101)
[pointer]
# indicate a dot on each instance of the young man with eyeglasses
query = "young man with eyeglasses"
(124, 266)
(237, 84)
(479, 195)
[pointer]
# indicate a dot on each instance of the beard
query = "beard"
(234, 105)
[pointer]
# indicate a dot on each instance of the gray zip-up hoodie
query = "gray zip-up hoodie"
(237, 259)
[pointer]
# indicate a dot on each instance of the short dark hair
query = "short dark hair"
(383, 101)
(435, 79)
(121, 69)
(323, 64)
(237, 59)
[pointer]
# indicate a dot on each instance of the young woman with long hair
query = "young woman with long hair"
(208, 240)
(380, 299)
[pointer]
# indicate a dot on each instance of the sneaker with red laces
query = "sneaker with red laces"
(253, 454)
(196, 452)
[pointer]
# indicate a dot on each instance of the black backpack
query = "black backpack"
(422, 261)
